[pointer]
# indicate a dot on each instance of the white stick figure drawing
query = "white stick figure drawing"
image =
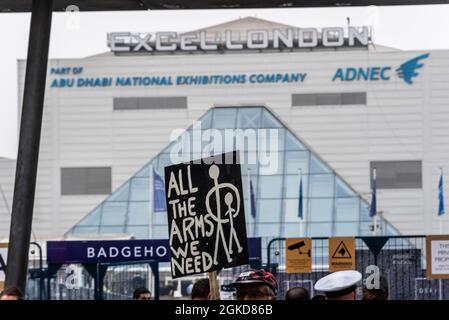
(233, 235)
(214, 172)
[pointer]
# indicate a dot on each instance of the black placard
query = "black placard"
(206, 216)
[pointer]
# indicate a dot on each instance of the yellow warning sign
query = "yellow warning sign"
(341, 254)
(298, 255)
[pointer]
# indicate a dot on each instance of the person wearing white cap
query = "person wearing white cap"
(340, 285)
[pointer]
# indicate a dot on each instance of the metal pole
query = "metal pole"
(41, 270)
(30, 131)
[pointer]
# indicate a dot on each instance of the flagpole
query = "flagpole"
(301, 219)
(150, 216)
(248, 173)
(373, 209)
(441, 211)
(441, 208)
(375, 225)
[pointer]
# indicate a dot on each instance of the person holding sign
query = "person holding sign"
(255, 285)
(206, 217)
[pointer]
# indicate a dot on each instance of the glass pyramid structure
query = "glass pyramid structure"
(273, 158)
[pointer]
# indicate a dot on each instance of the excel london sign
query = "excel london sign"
(122, 42)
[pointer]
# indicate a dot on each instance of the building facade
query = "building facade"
(351, 107)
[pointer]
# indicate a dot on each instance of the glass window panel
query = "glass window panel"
(121, 194)
(144, 172)
(398, 174)
(347, 209)
(159, 218)
(99, 180)
(139, 213)
(321, 209)
(271, 140)
(291, 186)
(350, 98)
(249, 117)
(163, 161)
(327, 99)
(229, 139)
(293, 143)
(306, 99)
(160, 232)
(93, 218)
(206, 120)
(318, 166)
(245, 186)
(321, 229)
(390, 230)
(224, 118)
(268, 230)
(249, 160)
(364, 211)
(270, 186)
(342, 189)
(271, 163)
(85, 230)
(139, 232)
(296, 160)
(109, 230)
(365, 228)
(73, 181)
(269, 121)
(246, 139)
(140, 189)
(321, 185)
(345, 229)
(214, 142)
(292, 230)
(268, 210)
(291, 210)
(114, 213)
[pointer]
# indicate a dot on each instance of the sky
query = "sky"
(84, 34)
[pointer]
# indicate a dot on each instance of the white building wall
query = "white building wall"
(400, 122)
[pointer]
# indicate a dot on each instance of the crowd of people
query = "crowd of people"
(262, 285)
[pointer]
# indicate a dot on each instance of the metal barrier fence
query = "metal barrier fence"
(400, 259)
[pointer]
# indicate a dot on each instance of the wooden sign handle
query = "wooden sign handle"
(213, 285)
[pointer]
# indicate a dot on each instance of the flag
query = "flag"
(159, 204)
(300, 199)
(373, 208)
(252, 197)
(441, 210)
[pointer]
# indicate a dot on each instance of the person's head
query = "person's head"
(201, 290)
(379, 292)
(340, 285)
(142, 294)
(255, 285)
(11, 293)
(297, 293)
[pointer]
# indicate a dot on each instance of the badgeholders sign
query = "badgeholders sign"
(206, 216)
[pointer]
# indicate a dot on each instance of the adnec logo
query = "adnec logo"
(406, 71)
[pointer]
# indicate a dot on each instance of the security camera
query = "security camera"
(298, 246)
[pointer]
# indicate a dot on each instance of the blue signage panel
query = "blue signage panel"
(114, 251)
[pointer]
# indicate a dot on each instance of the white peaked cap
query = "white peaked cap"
(337, 281)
